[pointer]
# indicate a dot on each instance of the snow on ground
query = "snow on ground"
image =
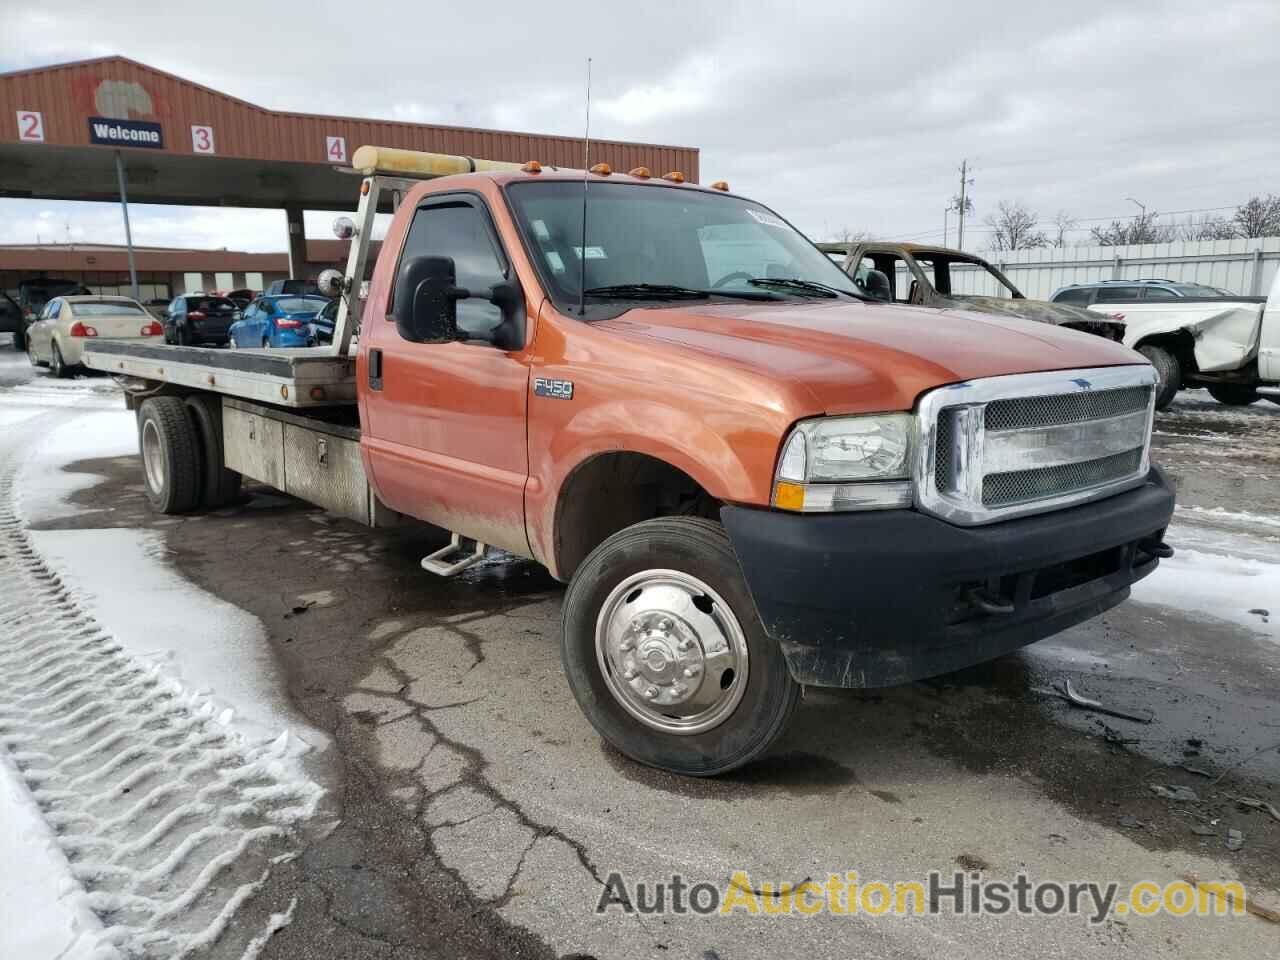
(1223, 587)
(43, 911)
(45, 487)
(210, 647)
(141, 718)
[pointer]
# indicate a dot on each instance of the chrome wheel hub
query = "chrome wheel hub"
(671, 651)
(152, 457)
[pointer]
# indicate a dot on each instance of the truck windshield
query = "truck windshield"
(655, 242)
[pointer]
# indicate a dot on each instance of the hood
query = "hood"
(848, 357)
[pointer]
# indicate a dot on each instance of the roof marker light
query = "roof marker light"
(675, 176)
(720, 185)
(533, 166)
(640, 173)
(603, 169)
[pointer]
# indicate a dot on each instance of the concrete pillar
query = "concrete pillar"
(297, 243)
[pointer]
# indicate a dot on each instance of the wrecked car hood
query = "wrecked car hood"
(1039, 310)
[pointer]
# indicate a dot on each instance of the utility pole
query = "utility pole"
(963, 200)
(946, 216)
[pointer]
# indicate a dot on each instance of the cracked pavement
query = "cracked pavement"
(481, 814)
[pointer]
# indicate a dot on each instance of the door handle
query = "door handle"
(375, 369)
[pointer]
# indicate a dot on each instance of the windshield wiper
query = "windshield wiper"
(646, 291)
(663, 291)
(798, 285)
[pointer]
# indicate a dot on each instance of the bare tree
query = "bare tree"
(1141, 229)
(1063, 223)
(1207, 228)
(1013, 227)
(848, 235)
(1259, 217)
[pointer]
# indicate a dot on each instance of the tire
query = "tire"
(1169, 371)
(31, 355)
(649, 557)
(56, 364)
(1233, 394)
(171, 461)
(219, 486)
(19, 340)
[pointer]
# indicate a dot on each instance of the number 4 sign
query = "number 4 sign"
(202, 139)
(31, 126)
(335, 149)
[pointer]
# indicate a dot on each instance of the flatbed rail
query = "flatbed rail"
(299, 377)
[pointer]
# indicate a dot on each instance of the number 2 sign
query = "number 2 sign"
(335, 149)
(31, 126)
(202, 139)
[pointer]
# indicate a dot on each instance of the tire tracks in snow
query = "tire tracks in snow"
(169, 819)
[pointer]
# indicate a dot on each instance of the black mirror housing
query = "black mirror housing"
(426, 300)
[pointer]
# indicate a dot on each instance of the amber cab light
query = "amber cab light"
(720, 185)
(533, 166)
(640, 173)
(675, 176)
(79, 329)
(603, 169)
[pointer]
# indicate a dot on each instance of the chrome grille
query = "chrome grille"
(1008, 446)
(1022, 486)
(1020, 412)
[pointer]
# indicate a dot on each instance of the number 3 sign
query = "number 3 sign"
(31, 126)
(202, 139)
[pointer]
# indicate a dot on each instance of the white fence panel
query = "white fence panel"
(1245, 267)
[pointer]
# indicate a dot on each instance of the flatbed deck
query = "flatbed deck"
(300, 377)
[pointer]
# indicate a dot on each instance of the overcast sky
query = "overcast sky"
(840, 115)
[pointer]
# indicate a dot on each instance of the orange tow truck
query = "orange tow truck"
(752, 476)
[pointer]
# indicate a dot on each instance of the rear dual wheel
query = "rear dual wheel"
(182, 457)
(665, 654)
(1233, 394)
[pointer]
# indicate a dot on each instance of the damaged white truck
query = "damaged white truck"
(1228, 345)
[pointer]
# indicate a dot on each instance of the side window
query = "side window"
(1160, 293)
(1113, 294)
(461, 231)
(1078, 295)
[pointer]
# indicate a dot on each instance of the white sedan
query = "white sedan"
(56, 338)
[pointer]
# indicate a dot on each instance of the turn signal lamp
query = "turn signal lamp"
(603, 169)
(675, 176)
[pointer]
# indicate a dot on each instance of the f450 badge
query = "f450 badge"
(555, 389)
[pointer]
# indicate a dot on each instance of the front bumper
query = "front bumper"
(878, 598)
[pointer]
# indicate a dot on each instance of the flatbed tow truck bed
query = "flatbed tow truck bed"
(298, 377)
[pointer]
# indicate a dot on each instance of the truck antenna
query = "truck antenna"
(586, 173)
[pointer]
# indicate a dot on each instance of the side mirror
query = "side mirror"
(426, 300)
(509, 298)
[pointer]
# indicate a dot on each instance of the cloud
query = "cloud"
(837, 115)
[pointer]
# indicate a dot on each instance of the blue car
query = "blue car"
(282, 321)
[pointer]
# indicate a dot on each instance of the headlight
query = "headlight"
(846, 463)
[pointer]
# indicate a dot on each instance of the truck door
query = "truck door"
(1269, 346)
(444, 429)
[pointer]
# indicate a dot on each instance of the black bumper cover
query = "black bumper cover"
(878, 598)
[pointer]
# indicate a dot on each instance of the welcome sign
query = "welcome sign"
(125, 133)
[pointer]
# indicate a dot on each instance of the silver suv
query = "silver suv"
(1130, 291)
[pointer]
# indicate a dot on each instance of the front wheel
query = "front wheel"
(31, 355)
(1168, 372)
(665, 654)
(1233, 394)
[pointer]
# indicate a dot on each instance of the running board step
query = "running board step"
(437, 564)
